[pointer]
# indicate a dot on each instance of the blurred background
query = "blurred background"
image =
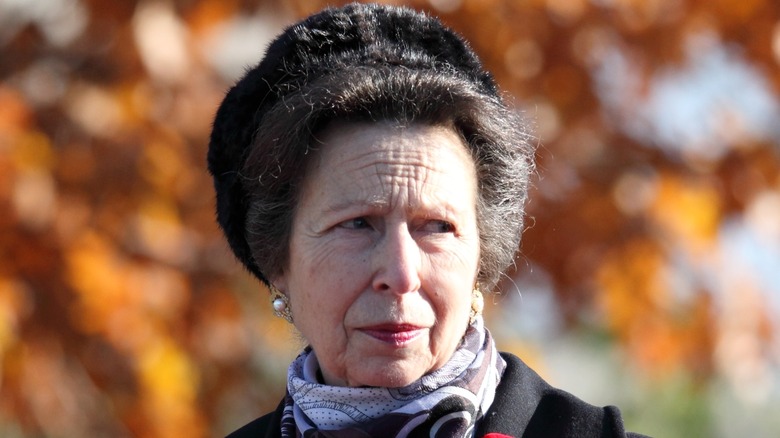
(649, 276)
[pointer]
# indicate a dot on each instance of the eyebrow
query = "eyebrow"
(380, 205)
(375, 204)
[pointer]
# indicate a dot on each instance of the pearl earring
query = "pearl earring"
(280, 304)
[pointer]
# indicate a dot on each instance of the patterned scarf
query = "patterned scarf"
(445, 403)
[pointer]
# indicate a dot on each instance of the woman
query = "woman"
(369, 174)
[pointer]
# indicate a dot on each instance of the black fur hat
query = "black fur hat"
(355, 35)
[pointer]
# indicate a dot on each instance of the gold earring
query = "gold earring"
(477, 304)
(280, 304)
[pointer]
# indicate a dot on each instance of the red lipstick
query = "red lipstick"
(397, 335)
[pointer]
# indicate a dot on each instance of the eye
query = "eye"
(438, 226)
(355, 223)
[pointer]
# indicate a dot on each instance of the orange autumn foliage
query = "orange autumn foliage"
(123, 313)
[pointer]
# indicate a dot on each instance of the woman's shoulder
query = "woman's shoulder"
(527, 405)
(266, 426)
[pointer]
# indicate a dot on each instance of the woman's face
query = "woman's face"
(384, 252)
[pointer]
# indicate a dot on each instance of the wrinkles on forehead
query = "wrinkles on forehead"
(381, 181)
(395, 171)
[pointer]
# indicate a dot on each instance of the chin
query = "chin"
(389, 375)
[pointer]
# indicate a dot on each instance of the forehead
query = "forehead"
(349, 157)
(342, 142)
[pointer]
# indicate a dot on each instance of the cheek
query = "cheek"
(318, 316)
(454, 306)
(451, 291)
(455, 274)
(322, 290)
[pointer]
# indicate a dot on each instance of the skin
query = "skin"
(384, 252)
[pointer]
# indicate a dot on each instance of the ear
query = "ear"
(280, 282)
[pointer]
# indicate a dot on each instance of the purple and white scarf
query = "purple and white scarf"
(445, 403)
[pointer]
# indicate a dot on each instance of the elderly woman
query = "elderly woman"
(369, 174)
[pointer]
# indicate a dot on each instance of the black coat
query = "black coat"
(525, 406)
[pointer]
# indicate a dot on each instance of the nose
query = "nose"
(397, 259)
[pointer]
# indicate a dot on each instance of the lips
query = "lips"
(397, 335)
